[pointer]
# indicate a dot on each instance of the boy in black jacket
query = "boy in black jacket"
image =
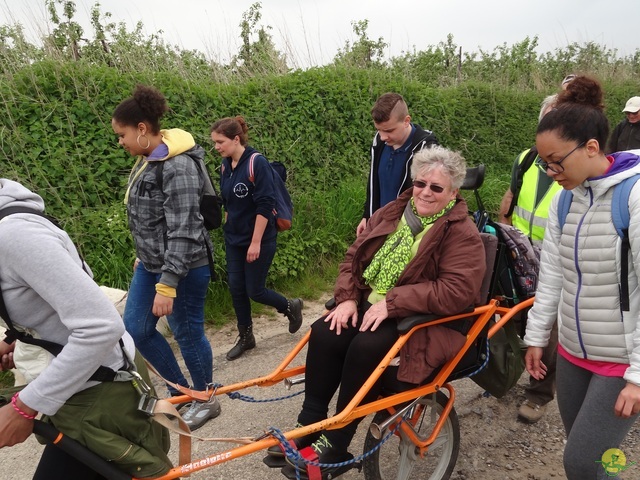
(392, 150)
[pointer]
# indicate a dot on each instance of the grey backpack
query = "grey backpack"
(519, 277)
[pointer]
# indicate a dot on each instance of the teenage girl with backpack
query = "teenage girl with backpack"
(171, 272)
(598, 367)
(249, 230)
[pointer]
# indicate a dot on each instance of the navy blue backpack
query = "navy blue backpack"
(283, 211)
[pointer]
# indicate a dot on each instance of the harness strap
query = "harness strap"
(165, 413)
(313, 471)
(195, 394)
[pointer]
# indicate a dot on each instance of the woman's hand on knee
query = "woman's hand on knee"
(376, 314)
(340, 316)
(628, 403)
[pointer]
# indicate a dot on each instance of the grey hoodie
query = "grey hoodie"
(46, 290)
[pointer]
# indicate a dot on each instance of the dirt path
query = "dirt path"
(494, 446)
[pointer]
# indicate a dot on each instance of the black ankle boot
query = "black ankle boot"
(294, 314)
(246, 341)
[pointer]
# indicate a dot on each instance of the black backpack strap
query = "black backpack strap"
(12, 334)
(102, 373)
(159, 180)
(523, 166)
(24, 209)
(625, 248)
(19, 209)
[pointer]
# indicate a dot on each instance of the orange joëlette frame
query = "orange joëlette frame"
(353, 410)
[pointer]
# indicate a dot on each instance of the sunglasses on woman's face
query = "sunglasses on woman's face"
(433, 187)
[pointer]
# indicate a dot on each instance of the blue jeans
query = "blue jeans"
(186, 323)
(247, 281)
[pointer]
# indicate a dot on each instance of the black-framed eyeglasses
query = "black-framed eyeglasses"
(556, 167)
(435, 188)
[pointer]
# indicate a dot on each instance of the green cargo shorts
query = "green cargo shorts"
(105, 419)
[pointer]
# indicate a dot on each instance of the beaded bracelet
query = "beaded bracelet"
(17, 408)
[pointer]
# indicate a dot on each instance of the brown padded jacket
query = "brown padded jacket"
(443, 278)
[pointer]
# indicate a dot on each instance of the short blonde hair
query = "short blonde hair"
(452, 164)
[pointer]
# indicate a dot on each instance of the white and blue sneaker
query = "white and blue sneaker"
(200, 413)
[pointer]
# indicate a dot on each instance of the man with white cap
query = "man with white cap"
(626, 135)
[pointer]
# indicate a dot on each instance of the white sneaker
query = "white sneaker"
(200, 413)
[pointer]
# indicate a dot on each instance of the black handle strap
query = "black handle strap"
(78, 451)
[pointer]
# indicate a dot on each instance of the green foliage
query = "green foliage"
(436, 65)
(103, 238)
(57, 139)
(6, 379)
(517, 65)
(325, 221)
(364, 52)
(259, 56)
(67, 34)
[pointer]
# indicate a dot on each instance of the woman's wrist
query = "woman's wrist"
(166, 290)
(22, 409)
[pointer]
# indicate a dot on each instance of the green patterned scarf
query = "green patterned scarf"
(395, 254)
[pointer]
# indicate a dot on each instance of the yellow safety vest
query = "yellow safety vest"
(529, 218)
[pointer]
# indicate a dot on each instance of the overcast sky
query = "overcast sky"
(310, 32)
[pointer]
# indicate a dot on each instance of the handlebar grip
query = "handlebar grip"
(78, 451)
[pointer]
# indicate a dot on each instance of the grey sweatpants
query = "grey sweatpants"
(586, 403)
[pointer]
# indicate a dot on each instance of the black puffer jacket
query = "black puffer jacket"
(626, 136)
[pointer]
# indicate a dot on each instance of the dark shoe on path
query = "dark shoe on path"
(246, 341)
(294, 314)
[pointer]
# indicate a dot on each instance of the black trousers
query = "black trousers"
(55, 464)
(344, 361)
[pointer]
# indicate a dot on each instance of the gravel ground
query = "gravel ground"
(494, 445)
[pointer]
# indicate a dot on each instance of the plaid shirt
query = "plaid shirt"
(166, 224)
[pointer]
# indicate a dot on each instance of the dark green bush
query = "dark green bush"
(57, 138)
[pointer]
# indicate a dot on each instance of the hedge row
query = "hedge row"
(56, 137)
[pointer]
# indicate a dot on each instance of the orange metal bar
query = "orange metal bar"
(507, 313)
(277, 375)
(424, 445)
